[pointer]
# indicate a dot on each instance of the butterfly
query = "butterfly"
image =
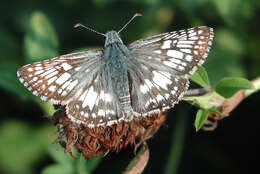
(103, 87)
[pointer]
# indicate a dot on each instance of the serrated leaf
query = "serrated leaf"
(201, 77)
(201, 116)
(40, 41)
(227, 87)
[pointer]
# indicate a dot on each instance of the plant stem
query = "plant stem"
(174, 157)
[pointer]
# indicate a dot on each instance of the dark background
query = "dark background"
(26, 133)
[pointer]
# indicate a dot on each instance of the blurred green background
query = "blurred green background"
(33, 30)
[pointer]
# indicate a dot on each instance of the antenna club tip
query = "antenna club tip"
(76, 25)
(138, 14)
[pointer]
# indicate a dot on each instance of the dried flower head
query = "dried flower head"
(101, 140)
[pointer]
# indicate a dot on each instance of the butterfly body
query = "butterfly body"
(105, 87)
(116, 56)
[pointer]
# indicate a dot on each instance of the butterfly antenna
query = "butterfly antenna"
(83, 26)
(137, 14)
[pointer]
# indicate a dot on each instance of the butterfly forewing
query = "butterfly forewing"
(164, 64)
(56, 79)
(181, 51)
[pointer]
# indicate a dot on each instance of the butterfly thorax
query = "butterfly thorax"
(112, 37)
(116, 56)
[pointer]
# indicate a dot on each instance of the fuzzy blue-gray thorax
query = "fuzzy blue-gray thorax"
(112, 37)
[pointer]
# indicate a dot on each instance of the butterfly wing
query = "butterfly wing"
(95, 104)
(76, 80)
(163, 64)
(57, 79)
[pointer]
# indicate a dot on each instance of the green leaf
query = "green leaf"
(22, 146)
(59, 155)
(47, 107)
(93, 163)
(81, 166)
(40, 41)
(65, 162)
(57, 169)
(201, 116)
(227, 87)
(228, 9)
(201, 77)
(214, 110)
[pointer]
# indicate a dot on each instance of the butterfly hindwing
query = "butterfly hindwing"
(94, 105)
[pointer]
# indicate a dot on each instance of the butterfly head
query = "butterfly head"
(112, 37)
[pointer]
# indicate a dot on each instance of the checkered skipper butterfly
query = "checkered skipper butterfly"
(104, 87)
